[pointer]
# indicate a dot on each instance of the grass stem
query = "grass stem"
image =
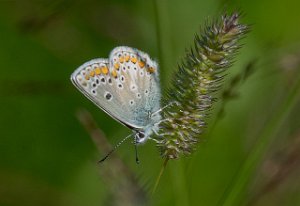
(159, 175)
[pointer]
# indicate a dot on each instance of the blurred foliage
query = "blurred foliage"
(48, 158)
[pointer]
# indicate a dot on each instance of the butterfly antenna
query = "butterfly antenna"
(116, 146)
(136, 152)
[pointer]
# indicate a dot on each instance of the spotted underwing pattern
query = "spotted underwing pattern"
(125, 86)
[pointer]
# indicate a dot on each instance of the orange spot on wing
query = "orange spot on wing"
(141, 64)
(114, 74)
(92, 73)
(121, 59)
(127, 57)
(133, 60)
(87, 77)
(97, 71)
(151, 69)
(104, 70)
(117, 66)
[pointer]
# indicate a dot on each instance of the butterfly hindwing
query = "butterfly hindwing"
(126, 86)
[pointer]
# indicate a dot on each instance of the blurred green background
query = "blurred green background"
(47, 157)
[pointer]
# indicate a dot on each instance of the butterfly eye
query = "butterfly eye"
(140, 136)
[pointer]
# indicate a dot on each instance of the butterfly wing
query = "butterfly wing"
(125, 86)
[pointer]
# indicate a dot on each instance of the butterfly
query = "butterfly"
(126, 87)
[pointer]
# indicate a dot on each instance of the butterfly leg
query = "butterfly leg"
(156, 141)
(156, 128)
(161, 109)
(163, 120)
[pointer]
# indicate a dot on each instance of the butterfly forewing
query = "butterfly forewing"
(126, 86)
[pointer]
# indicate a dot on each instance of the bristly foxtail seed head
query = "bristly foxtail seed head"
(195, 85)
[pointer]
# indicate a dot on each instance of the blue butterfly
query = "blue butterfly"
(126, 87)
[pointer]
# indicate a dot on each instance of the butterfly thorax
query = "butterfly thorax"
(143, 134)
